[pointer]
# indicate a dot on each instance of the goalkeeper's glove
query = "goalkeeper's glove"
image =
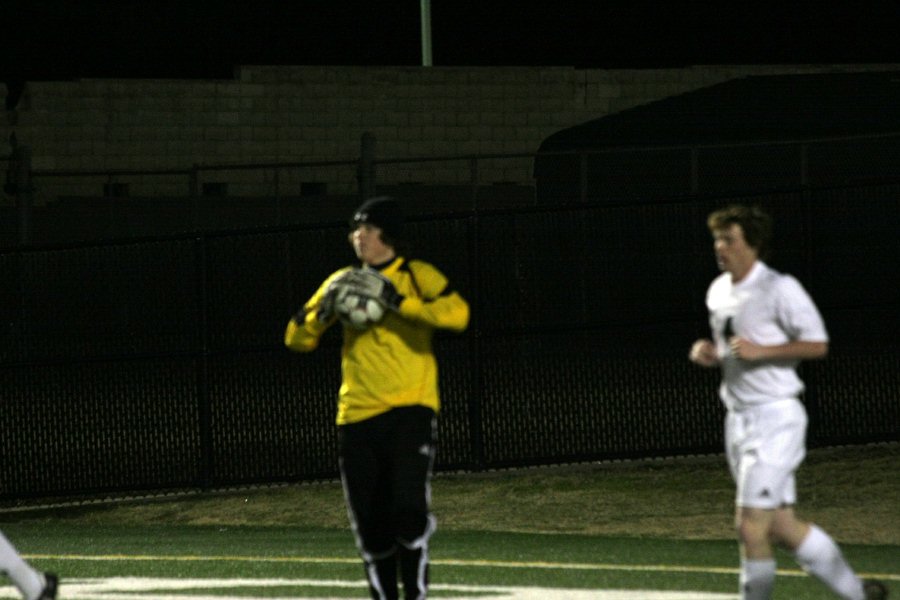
(326, 310)
(390, 297)
(371, 283)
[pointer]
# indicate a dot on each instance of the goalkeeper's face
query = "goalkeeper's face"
(368, 245)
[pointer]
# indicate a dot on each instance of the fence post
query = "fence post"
(582, 177)
(695, 170)
(476, 381)
(204, 409)
(804, 166)
(18, 184)
(194, 191)
(366, 171)
(473, 181)
(276, 179)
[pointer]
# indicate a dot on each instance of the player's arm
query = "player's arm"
(303, 335)
(310, 322)
(440, 305)
(799, 318)
(448, 310)
(435, 303)
(794, 350)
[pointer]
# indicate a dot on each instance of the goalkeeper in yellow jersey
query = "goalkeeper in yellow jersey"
(388, 400)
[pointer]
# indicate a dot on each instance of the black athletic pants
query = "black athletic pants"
(386, 465)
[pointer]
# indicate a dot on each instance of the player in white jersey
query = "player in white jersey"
(31, 583)
(763, 324)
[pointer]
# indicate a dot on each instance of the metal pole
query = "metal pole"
(582, 177)
(277, 178)
(366, 169)
(804, 165)
(426, 32)
(194, 185)
(473, 181)
(202, 380)
(20, 184)
(695, 170)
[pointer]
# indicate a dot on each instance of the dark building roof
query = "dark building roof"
(754, 108)
(848, 126)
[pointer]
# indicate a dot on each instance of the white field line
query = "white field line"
(500, 564)
(152, 588)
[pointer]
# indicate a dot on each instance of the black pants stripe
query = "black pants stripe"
(386, 467)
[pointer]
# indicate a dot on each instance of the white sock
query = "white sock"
(757, 578)
(29, 581)
(820, 557)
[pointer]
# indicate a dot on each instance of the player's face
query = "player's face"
(366, 241)
(733, 254)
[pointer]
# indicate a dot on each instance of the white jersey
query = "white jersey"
(767, 308)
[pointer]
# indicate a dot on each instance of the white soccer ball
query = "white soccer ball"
(356, 311)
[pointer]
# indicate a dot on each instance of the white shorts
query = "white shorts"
(765, 445)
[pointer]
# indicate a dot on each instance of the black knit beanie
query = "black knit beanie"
(383, 212)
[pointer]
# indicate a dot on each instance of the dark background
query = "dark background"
(191, 39)
(158, 364)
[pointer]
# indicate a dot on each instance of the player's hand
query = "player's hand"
(371, 283)
(745, 349)
(703, 353)
(325, 312)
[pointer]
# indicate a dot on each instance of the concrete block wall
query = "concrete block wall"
(282, 114)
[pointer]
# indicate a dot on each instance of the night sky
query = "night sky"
(44, 40)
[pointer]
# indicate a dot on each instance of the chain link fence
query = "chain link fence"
(156, 364)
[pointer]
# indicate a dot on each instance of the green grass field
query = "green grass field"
(647, 530)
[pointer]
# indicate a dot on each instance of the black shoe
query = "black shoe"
(50, 586)
(874, 590)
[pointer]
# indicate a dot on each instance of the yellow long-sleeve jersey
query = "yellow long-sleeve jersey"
(391, 363)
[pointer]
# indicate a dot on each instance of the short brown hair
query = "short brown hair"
(754, 221)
